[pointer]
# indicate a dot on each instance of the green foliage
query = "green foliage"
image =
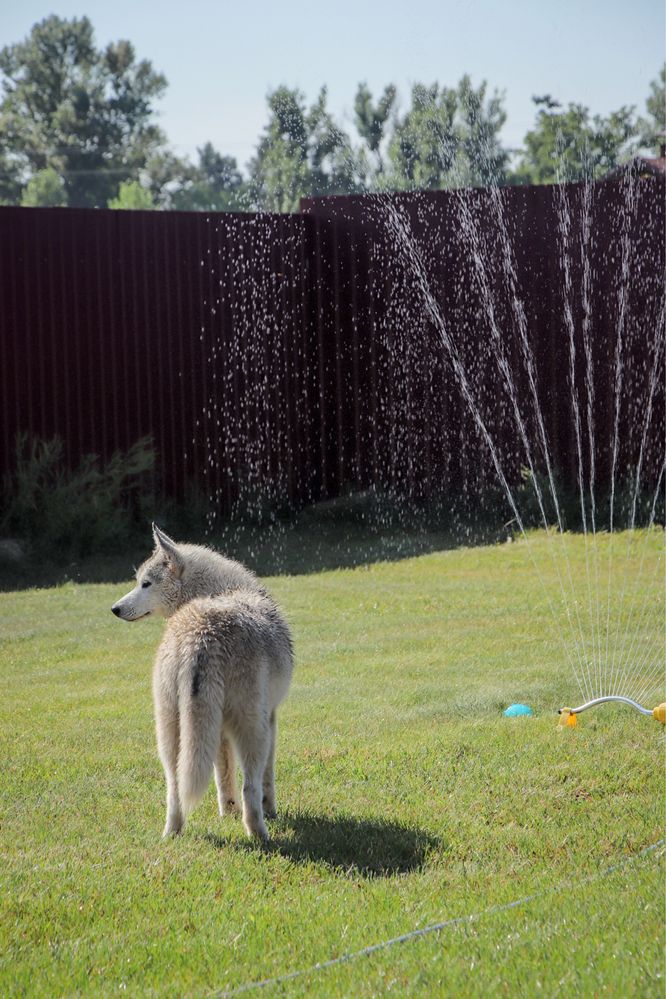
(424, 145)
(570, 144)
(10, 179)
(45, 189)
(404, 797)
(372, 120)
(215, 184)
(653, 127)
(85, 113)
(280, 171)
(63, 512)
(449, 137)
(164, 174)
(302, 152)
(132, 196)
(86, 116)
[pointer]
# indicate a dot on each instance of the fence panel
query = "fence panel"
(283, 359)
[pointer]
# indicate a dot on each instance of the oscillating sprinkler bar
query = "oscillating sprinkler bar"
(568, 715)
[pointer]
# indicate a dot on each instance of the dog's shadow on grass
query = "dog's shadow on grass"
(369, 847)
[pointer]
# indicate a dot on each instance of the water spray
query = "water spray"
(568, 715)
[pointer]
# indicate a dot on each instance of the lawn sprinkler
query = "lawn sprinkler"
(568, 715)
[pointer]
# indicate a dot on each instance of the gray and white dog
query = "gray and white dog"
(222, 669)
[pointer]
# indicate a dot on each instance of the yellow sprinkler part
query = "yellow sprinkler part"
(567, 718)
(659, 713)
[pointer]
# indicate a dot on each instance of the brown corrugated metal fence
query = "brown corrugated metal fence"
(283, 359)
(404, 423)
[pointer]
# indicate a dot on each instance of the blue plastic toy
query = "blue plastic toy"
(514, 710)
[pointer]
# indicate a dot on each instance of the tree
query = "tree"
(165, 175)
(214, 185)
(655, 123)
(449, 137)
(372, 120)
(10, 179)
(45, 189)
(481, 118)
(302, 152)
(569, 144)
(280, 171)
(335, 167)
(84, 113)
(423, 146)
(132, 196)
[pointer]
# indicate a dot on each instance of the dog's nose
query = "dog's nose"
(115, 610)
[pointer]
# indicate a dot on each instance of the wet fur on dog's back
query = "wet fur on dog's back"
(222, 668)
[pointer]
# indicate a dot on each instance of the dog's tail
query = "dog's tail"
(200, 703)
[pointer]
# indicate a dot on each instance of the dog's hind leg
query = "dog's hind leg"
(253, 745)
(168, 739)
(225, 779)
(269, 803)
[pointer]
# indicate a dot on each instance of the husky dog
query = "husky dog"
(222, 669)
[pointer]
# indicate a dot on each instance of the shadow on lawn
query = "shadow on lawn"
(372, 848)
(337, 534)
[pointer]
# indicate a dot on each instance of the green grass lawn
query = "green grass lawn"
(405, 798)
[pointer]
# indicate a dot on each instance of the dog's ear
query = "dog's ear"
(170, 549)
(161, 538)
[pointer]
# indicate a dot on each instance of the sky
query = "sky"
(221, 59)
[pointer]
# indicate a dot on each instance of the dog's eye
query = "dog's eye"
(145, 584)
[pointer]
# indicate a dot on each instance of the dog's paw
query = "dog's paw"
(257, 831)
(172, 829)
